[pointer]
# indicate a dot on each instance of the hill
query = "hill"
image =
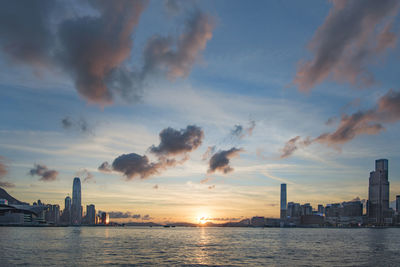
(10, 199)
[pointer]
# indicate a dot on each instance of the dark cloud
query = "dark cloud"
(361, 122)
(173, 142)
(239, 131)
(92, 47)
(80, 125)
(220, 160)
(146, 217)
(87, 176)
(136, 216)
(346, 42)
(45, 174)
(119, 214)
(133, 165)
(25, 34)
(105, 167)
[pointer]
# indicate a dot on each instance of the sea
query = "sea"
(198, 246)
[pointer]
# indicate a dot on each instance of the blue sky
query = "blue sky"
(245, 72)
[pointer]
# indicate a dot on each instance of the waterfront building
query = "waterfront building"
(105, 218)
(90, 214)
(378, 194)
(66, 215)
(283, 202)
(398, 203)
(321, 209)
(258, 221)
(293, 210)
(76, 207)
(306, 209)
(52, 214)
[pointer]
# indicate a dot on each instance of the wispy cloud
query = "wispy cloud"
(345, 43)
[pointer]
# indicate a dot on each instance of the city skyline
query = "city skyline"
(184, 110)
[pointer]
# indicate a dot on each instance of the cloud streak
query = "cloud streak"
(346, 43)
(368, 122)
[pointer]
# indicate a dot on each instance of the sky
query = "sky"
(177, 110)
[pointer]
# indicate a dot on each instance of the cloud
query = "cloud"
(205, 180)
(45, 174)
(136, 216)
(211, 187)
(25, 35)
(155, 186)
(239, 131)
(86, 175)
(220, 160)
(292, 145)
(133, 165)
(3, 173)
(93, 42)
(105, 167)
(3, 167)
(160, 54)
(80, 125)
(209, 152)
(346, 43)
(173, 142)
(351, 126)
(119, 214)
(146, 217)
(368, 122)
(92, 47)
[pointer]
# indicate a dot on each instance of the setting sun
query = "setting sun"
(202, 219)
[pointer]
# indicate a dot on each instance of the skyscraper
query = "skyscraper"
(67, 203)
(398, 203)
(378, 193)
(283, 201)
(90, 214)
(76, 209)
(67, 210)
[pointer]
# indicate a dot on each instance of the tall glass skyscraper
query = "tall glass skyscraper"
(67, 210)
(283, 201)
(76, 209)
(378, 193)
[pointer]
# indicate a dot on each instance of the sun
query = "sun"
(202, 218)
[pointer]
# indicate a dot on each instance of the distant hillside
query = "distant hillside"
(11, 200)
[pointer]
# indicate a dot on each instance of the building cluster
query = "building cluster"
(48, 214)
(345, 214)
